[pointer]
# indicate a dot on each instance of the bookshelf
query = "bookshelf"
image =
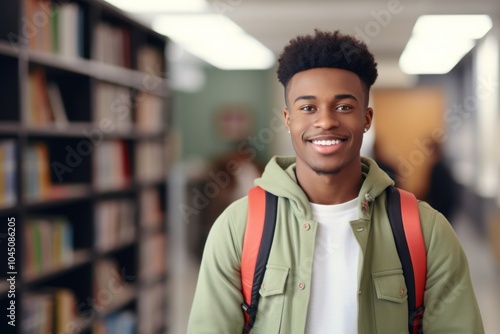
(83, 164)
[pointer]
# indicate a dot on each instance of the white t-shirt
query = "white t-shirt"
(333, 307)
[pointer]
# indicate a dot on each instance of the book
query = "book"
(151, 212)
(39, 112)
(150, 113)
(65, 309)
(153, 257)
(68, 27)
(150, 60)
(37, 313)
(37, 172)
(111, 165)
(121, 322)
(8, 173)
(57, 105)
(149, 161)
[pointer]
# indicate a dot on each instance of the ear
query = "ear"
(368, 118)
(286, 117)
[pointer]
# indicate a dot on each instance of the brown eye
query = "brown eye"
(344, 108)
(307, 108)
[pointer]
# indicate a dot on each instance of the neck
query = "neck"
(328, 189)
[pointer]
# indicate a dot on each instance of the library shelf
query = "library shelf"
(84, 129)
(80, 257)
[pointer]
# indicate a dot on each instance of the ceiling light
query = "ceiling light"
(465, 26)
(144, 6)
(433, 56)
(439, 42)
(215, 39)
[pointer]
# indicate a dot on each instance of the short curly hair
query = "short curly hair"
(330, 50)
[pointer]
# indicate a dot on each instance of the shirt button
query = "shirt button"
(307, 226)
(402, 291)
(301, 285)
(360, 229)
(263, 286)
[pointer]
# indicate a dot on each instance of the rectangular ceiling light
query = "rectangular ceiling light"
(155, 6)
(215, 39)
(439, 42)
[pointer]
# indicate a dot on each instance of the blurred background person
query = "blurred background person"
(443, 190)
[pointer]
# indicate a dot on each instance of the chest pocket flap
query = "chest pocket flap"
(274, 281)
(390, 285)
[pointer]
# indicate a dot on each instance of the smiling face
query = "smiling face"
(327, 114)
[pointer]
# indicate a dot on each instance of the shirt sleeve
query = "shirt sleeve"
(450, 302)
(217, 302)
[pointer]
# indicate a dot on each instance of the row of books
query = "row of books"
(111, 44)
(59, 28)
(113, 106)
(51, 310)
(111, 168)
(114, 223)
(55, 28)
(8, 173)
(111, 165)
(48, 245)
(114, 109)
(37, 176)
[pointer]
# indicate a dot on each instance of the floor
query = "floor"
(485, 273)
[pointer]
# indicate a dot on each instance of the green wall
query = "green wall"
(194, 113)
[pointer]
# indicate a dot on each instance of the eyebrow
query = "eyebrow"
(337, 97)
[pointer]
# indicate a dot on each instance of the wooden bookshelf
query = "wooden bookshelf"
(83, 165)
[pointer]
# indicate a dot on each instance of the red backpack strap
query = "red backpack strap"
(402, 208)
(259, 233)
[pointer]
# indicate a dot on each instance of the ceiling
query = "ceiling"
(385, 25)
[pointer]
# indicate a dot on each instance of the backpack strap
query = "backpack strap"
(259, 233)
(402, 208)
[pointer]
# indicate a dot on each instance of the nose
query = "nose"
(326, 119)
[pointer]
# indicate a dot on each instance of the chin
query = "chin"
(326, 170)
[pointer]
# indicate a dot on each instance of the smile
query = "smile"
(326, 142)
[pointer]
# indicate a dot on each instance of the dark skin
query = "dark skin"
(327, 114)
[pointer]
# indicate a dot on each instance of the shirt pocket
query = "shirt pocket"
(390, 285)
(271, 301)
(391, 307)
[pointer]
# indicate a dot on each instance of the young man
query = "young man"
(333, 266)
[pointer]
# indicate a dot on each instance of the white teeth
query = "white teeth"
(326, 142)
